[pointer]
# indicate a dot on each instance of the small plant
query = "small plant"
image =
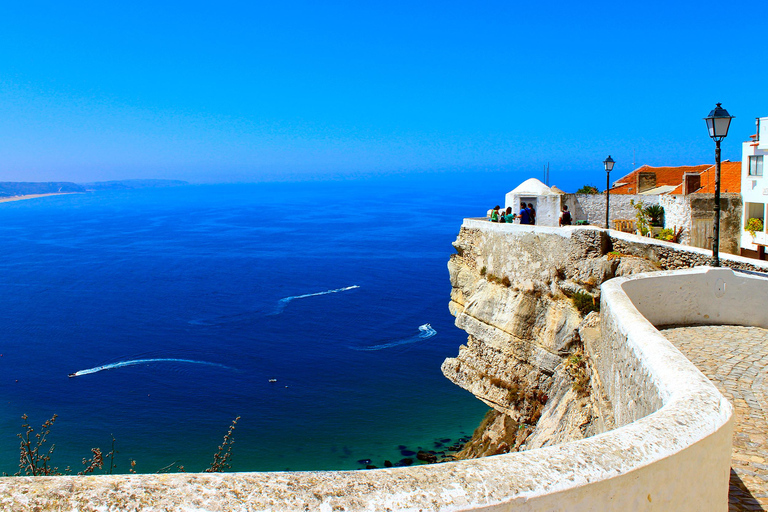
(670, 235)
(753, 226)
(581, 223)
(506, 282)
(614, 255)
(585, 303)
(34, 460)
(576, 366)
(641, 216)
(655, 212)
(483, 270)
(224, 453)
(94, 463)
(588, 189)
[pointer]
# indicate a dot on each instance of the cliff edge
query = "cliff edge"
(515, 292)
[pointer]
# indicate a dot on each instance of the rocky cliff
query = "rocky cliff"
(518, 295)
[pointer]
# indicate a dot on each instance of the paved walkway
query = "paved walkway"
(736, 360)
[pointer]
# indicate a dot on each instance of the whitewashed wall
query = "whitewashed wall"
(591, 207)
(677, 213)
(754, 189)
(547, 207)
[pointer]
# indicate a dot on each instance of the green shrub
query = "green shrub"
(483, 271)
(585, 303)
(656, 214)
(588, 189)
(753, 226)
(641, 215)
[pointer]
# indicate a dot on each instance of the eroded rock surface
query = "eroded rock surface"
(524, 357)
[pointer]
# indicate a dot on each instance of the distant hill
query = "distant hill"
(24, 188)
(132, 184)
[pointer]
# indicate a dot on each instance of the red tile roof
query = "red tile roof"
(671, 176)
(730, 178)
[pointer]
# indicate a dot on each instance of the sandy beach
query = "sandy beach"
(33, 196)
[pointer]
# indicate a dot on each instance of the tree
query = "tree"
(588, 189)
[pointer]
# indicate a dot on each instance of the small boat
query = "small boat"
(272, 380)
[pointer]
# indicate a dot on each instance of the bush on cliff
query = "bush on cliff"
(585, 303)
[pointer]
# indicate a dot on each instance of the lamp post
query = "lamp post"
(718, 122)
(608, 163)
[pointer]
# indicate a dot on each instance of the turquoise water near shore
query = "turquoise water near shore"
(176, 307)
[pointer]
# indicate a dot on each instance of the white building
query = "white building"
(754, 188)
(545, 201)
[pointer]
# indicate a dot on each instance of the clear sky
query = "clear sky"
(252, 91)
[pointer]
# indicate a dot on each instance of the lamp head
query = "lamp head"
(718, 122)
(608, 162)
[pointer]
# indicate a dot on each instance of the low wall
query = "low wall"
(591, 207)
(667, 255)
(694, 213)
(672, 452)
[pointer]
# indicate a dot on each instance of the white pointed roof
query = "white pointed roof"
(533, 187)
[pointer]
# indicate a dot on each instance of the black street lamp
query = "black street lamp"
(718, 122)
(608, 163)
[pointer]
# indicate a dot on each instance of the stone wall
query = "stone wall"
(694, 213)
(591, 207)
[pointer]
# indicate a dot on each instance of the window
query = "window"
(754, 211)
(756, 165)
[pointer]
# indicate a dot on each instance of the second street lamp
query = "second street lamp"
(718, 122)
(608, 162)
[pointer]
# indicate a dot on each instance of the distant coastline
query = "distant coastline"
(19, 190)
(33, 196)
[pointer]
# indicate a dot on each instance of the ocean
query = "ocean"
(316, 312)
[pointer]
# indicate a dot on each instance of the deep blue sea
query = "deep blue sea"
(177, 306)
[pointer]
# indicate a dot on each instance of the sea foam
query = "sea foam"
(425, 332)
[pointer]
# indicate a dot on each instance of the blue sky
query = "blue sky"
(251, 91)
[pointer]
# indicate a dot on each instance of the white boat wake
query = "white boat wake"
(133, 362)
(284, 301)
(276, 311)
(425, 332)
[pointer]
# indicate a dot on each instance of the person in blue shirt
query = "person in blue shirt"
(523, 214)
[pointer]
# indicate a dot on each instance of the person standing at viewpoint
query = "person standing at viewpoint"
(524, 217)
(531, 214)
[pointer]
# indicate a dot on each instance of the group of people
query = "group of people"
(527, 215)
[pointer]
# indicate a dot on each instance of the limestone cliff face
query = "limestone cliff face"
(524, 355)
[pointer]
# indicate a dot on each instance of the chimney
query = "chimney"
(645, 181)
(691, 182)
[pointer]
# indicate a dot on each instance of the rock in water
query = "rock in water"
(427, 457)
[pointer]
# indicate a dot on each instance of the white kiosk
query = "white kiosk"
(545, 201)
